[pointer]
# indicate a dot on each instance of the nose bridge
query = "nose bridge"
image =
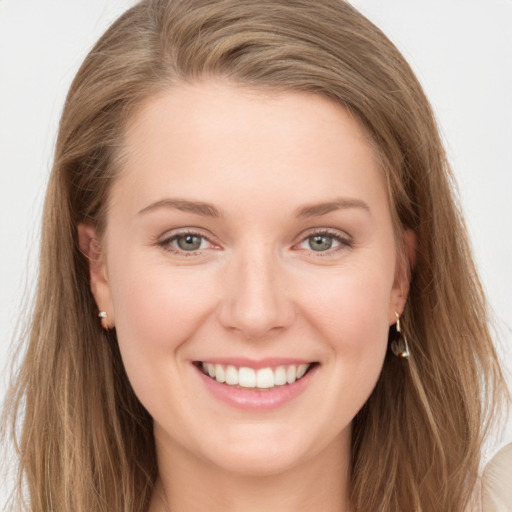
(256, 301)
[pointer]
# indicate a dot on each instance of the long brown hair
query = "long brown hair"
(85, 442)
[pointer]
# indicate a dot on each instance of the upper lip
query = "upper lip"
(256, 364)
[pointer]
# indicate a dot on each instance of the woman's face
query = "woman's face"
(249, 235)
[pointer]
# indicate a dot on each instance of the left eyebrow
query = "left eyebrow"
(342, 203)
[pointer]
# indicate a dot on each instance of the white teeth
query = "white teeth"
(231, 376)
(301, 370)
(264, 378)
(247, 377)
(220, 375)
(291, 374)
(280, 376)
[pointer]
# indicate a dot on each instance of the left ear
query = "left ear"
(406, 259)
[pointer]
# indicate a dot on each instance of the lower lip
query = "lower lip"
(252, 399)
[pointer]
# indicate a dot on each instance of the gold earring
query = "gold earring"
(399, 346)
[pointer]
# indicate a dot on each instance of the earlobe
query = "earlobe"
(90, 247)
(405, 265)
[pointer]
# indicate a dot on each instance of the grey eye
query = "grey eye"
(189, 242)
(320, 242)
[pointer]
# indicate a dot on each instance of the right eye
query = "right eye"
(187, 242)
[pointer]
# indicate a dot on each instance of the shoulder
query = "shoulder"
(497, 482)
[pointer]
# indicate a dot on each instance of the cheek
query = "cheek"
(156, 312)
(157, 306)
(352, 317)
(351, 314)
(351, 309)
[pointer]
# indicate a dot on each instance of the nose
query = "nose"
(256, 299)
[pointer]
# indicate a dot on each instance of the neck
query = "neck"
(189, 484)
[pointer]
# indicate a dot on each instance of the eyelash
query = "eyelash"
(166, 243)
(344, 242)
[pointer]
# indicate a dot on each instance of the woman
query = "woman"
(257, 289)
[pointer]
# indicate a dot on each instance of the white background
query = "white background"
(460, 49)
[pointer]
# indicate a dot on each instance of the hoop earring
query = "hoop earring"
(399, 346)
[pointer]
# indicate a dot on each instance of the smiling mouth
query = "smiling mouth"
(261, 379)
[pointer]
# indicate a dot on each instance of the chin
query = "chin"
(266, 452)
(258, 464)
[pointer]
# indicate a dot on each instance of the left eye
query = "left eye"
(321, 242)
(188, 242)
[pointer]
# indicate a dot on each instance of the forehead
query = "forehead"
(214, 103)
(214, 137)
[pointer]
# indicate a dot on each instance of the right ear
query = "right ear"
(90, 247)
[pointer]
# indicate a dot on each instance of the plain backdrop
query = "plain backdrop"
(461, 51)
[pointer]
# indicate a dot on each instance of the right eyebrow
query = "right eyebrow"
(197, 207)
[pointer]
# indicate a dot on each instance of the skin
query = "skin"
(256, 288)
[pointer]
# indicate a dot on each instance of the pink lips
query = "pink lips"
(253, 399)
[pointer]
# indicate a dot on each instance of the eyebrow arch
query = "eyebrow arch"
(316, 210)
(198, 207)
